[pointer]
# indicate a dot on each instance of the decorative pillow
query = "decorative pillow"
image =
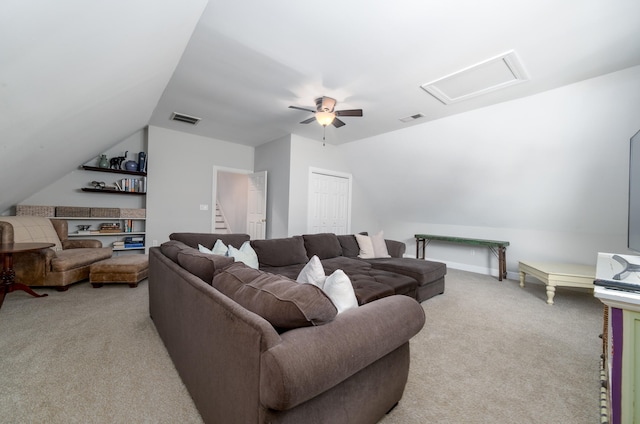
(339, 289)
(283, 302)
(323, 245)
(218, 249)
(202, 265)
(245, 254)
(33, 229)
(312, 273)
(379, 245)
(366, 247)
(372, 246)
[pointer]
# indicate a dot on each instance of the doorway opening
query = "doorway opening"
(239, 198)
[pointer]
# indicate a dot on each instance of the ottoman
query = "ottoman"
(129, 269)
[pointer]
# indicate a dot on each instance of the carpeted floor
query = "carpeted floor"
(490, 352)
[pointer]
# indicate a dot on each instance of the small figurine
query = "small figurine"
(116, 162)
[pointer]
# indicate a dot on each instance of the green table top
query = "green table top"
(477, 242)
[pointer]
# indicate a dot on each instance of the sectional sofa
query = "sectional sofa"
(372, 278)
(256, 347)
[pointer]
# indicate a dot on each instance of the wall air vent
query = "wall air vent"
(493, 74)
(175, 116)
(412, 117)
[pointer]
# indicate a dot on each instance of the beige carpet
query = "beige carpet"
(490, 352)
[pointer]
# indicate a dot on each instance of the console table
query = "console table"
(498, 248)
(8, 275)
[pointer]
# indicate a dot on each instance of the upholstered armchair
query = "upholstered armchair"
(67, 262)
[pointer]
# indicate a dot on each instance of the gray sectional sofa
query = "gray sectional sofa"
(371, 278)
(256, 347)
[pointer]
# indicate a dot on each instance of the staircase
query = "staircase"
(222, 226)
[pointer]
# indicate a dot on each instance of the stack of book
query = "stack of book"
(133, 241)
(110, 227)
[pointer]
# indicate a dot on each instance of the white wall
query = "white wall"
(180, 178)
(305, 154)
(549, 173)
(274, 157)
(66, 190)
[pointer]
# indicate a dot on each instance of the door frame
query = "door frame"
(330, 173)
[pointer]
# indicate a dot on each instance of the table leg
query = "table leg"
(8, 279)
(551, 292)
(522, 275)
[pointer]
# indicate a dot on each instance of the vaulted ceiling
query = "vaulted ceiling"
(77, 77)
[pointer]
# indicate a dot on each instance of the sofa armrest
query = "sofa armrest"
(311, 360)
(395, 248)
(80, 243)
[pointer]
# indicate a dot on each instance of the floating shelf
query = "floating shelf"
(113, 171)
(102, 190)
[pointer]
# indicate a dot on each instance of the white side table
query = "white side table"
(557, 274)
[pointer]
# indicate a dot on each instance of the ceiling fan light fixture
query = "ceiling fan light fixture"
(325, 118)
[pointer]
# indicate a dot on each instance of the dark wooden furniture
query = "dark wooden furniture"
(498, 248)
(8, 276)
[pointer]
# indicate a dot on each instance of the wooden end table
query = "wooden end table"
(8, 276)
(556, 274)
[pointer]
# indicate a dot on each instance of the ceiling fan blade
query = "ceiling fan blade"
(338, 123)
(302, 108)
(349, 112)
(308, 121)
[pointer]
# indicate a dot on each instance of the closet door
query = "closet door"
(329, 203)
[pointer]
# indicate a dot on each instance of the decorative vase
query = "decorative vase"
(131, 165)
(142, 159)
(104, 162)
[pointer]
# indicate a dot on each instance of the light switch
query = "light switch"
(204, 207)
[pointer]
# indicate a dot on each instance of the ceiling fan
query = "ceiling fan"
(325, 113)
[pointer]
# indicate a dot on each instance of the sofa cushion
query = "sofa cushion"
(202, 265)
(323, 245)
(280, 251)
(283, 302)
(349, 245)
(33, 229)
(171, 248)
(69, 259)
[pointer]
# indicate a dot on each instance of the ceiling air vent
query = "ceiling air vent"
(175, 116)
(412, 117)
(493, 74)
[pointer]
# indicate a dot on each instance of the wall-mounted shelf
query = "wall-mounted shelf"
(113, 171)
(102, 190)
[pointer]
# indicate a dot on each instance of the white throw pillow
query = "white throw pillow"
(312, 273)
(220, 248)
(339, 289)
(379, 246)
(366, 247)
(245, 254)
(203, 249)
(372, 246)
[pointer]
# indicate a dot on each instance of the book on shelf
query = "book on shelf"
(135, 185)
(134, 239)
(109, 230)
(132, 245)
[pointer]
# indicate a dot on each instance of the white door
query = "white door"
(329, 203)
(257, 206)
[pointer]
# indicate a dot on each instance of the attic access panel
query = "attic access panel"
(493, 74)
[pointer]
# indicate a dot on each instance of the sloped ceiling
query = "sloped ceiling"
(77, 77)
